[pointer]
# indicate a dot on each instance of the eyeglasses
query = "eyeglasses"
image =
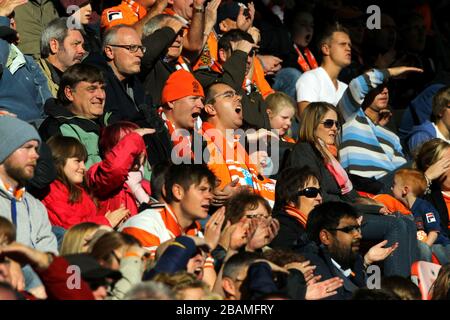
(348, 229)
(328, 123)
(133, 48)
(257, 216)
(227, 94)
(310, 192)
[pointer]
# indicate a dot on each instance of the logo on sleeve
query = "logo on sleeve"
(114, 15)
(430, 217)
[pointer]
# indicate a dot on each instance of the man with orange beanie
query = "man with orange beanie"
(177, 120)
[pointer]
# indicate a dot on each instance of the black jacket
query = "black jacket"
(292, 234)
(320, 257)
(154, 70)
(254, 107)
(119, 105)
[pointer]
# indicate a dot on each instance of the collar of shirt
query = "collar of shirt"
(346, 272)
(13, 192)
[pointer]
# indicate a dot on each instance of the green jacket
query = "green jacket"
(31, 19)
(60, 121)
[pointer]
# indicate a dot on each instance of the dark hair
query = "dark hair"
(112, 134)
(157, 180)
(75, 74)
(440, 102)
(374, 294)
(441, 286)
(289, 182)
(233, 36)
(402, 287)
(327, 216)
(282, 257)
(327, 34)
(186, 175)
(238, 261)
(62, 149)
(242, 201)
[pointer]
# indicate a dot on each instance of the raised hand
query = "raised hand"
(378, 253)
(8, 6)
(396, 71)
(213, 228)
(245, 17)
(117, 216)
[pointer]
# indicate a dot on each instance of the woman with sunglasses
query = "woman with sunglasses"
(319, 128)
(297, 192)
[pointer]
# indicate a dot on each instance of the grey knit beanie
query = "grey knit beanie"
(13, 134)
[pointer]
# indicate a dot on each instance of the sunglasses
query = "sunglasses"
(348, 229)
(329, 123)
(311, 192)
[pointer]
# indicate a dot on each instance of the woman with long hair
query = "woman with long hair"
(320, 127)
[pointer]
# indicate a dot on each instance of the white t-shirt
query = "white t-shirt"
(316, 85)
(439, 134)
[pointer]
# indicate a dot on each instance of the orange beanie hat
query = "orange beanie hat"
(181, 84)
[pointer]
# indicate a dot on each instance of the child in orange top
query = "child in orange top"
(408, 185)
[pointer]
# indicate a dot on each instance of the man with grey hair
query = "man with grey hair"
(120, 63)
(61, 47)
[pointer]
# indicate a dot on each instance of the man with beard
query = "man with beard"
(18, 157)
(335, 228)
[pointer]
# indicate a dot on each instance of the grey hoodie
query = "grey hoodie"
(33, 226)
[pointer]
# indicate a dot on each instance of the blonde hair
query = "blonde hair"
(278, 101)
(77, 237)
(429, 153)
(310, 120)
(181, 281)
(412, 178)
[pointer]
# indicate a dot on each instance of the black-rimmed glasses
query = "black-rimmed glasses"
(133, 48)
(348, 229)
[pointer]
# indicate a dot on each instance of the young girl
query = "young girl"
(118, 178)
(281, 110)
(67, 202)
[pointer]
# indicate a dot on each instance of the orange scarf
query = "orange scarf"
(233, 158)
(306, 66)
(295, 213)
(183, 143)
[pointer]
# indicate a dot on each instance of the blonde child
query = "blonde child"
(281, 111)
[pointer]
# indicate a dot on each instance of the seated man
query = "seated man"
(335, 229)
(228, 158)
(187, 195)
(76, 112)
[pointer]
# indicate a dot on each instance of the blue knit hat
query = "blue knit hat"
(14, 133)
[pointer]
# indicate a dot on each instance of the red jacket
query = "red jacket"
(56, 279)
(107, 178)
(62, 213)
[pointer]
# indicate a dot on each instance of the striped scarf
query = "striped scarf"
(295, 213)
(183, 143)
